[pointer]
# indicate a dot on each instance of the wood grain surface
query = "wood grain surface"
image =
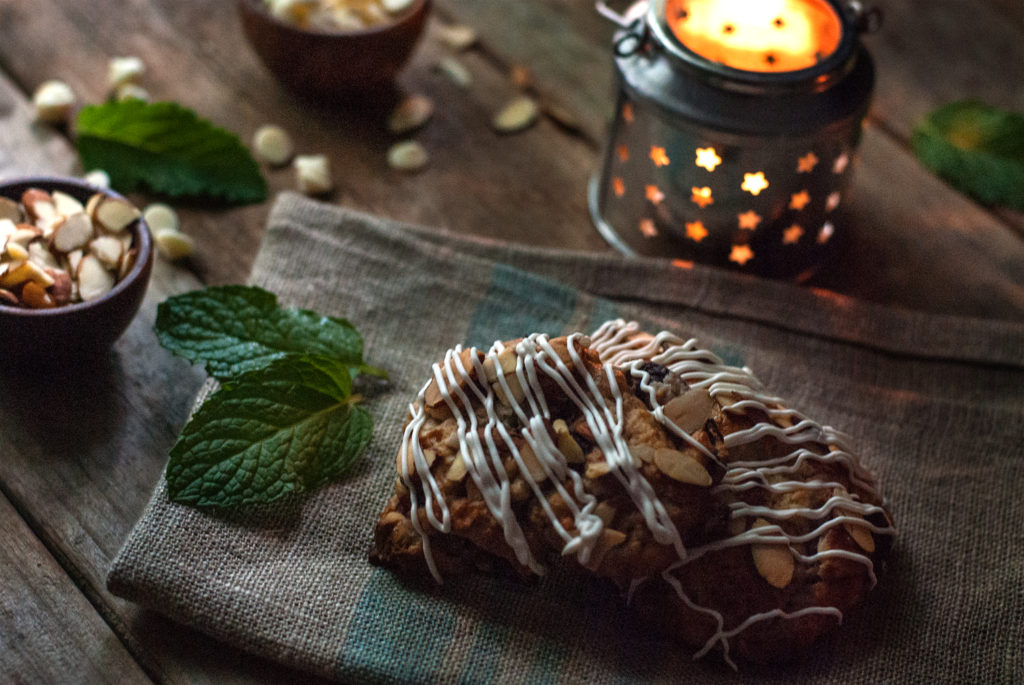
(81, 450)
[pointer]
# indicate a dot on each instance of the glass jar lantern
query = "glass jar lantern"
(734, 132)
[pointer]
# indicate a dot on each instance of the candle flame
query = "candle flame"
(757, 35)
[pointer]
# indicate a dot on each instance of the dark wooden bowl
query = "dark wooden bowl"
(332, 65)
(85, 329)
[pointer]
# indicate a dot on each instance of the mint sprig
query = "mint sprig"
(977, 148)
(285, 419)
(166, 148)
(232, 329)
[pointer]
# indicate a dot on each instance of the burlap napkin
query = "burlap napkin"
(936, 406)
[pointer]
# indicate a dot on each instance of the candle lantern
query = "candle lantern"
(734, 131)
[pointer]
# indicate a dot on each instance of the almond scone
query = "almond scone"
(725, 518)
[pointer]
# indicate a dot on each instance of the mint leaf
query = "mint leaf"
(283, 429)
(977, 148)
(233, 329)
(168, 149)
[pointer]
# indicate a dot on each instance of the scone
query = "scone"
(725, 518)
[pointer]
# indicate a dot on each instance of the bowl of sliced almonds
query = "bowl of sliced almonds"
(75, 262)
(332, 49)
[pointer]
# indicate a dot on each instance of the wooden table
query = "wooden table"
(81, 451)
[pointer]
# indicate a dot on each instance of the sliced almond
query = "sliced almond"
(505, 360)
(10, 210)
(596, 469)
(861, 535)
(567, 444)
(517, 115)
(24, 234)
(66, 204)
(7, 297)
(174, 244)
(691, 410)
(61, 290)
(74, 232)
(313, 174)
(107, 249)
(122, 70)
(16, 250)
(38, 204)
(456, 37)
(396, 6)
(159, 215)
(36, 297)
(457, 471)
(24, 272)
(113, 214)
(514, 387)
(609, 538)
(407, 155)
(73, 258)
(128, 258)
(681, 467)
(38, 253)
(645, 453)
(774, 562)
(410, 114)
(94, 280)
(53, 101)
(7, 227)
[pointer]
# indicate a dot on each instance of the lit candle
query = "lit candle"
(757, 35)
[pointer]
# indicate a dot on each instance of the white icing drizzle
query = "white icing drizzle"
(622, 345)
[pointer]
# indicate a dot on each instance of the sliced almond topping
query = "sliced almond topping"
(691, 410)
(609, 538)
(74, 232)
(681, 467)
(774, 562)
(532, 463)
(514, 387)
(596, 469)
(861, 535)
(517, 115)
(7, 297)
(457, 471)
(94, 280)
(567, 444)
(114, 214)
(644, 453)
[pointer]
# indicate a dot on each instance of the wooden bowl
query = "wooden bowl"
(81, 330)
(330, 65)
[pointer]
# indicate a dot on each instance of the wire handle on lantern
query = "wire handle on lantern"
(867, 18)
(627, 18)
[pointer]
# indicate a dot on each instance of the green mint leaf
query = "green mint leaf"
(168, 149)
(977, 148)
(233, 329)
(283, 429)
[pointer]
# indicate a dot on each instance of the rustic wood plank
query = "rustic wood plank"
(49, 632)
(85, 485)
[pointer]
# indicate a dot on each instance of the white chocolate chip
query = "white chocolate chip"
(407, 155)
(53, 101)
(519, 114)
(313, 174)
(173, 244)
(122, 70)
(159, 216)
(273, 144)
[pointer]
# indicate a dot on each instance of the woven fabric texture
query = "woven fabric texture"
(935, 406)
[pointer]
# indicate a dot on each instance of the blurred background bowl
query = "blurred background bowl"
(330, 65)
(75, 331)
